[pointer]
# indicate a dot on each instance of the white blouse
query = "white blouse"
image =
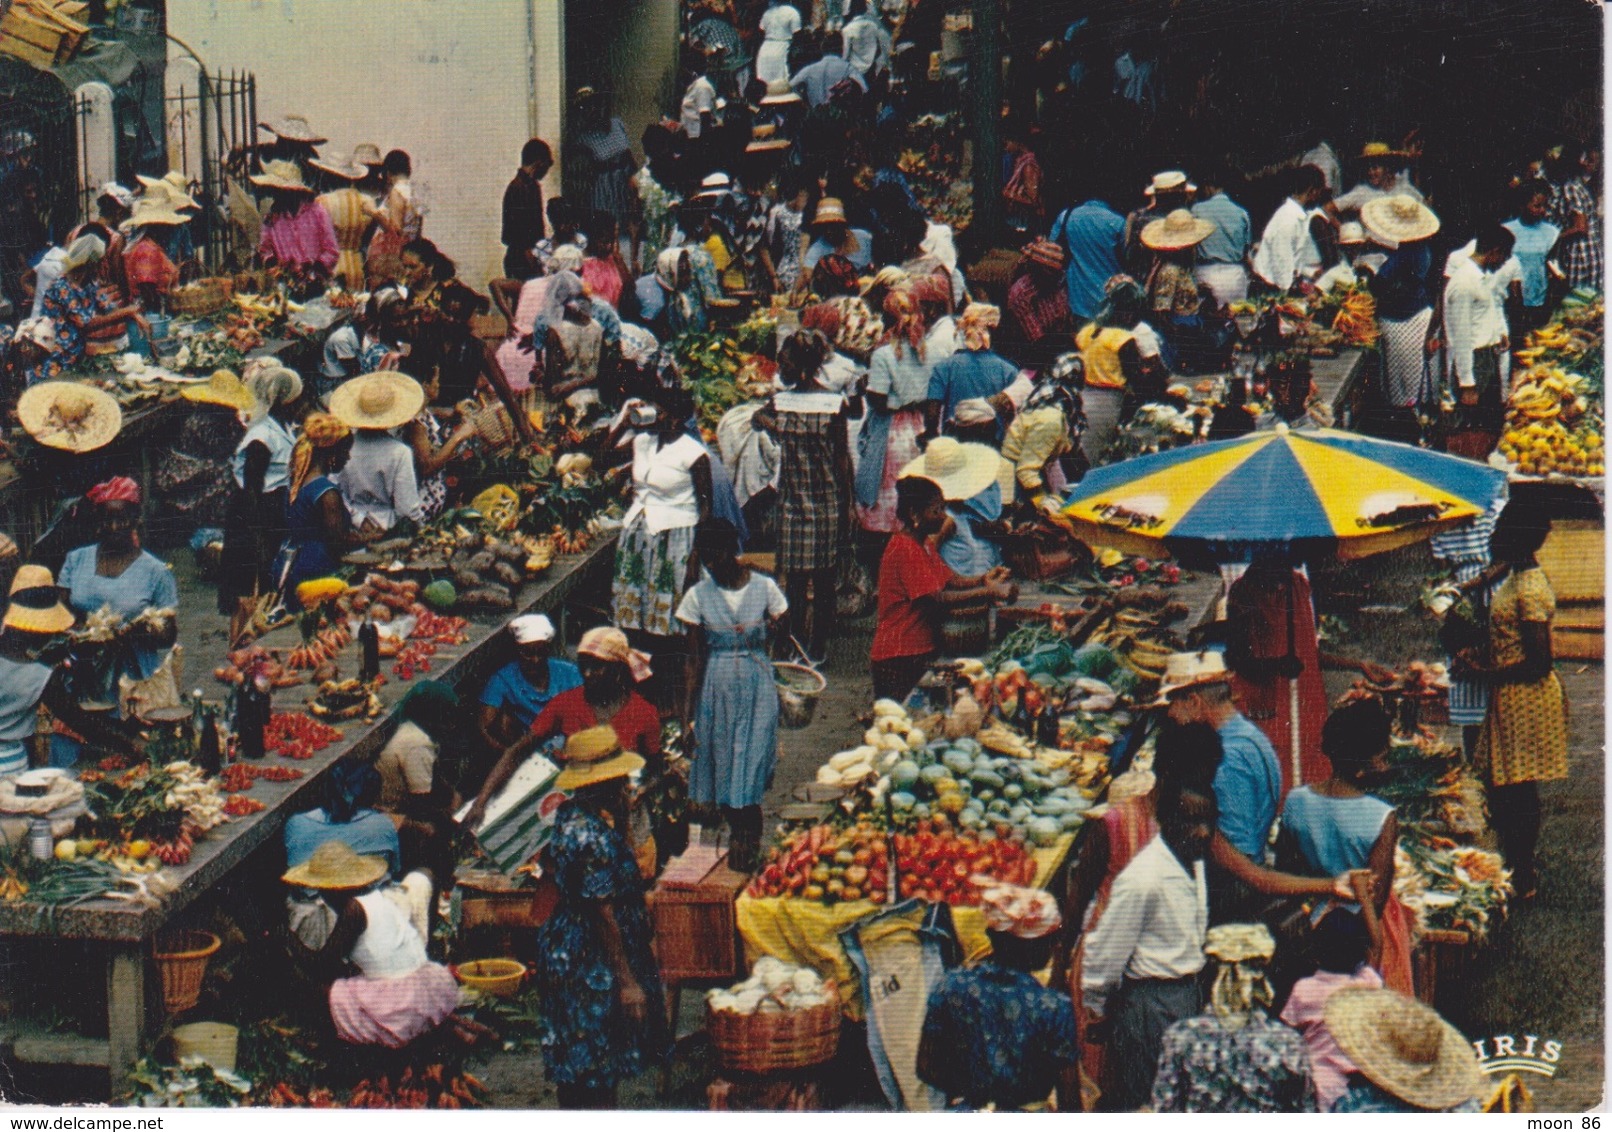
(663, 483)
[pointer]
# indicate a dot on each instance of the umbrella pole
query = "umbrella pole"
(1293, 729)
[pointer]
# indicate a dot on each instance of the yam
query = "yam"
(506, 573)
(489, 597)
(482, 562)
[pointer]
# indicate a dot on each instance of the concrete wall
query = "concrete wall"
(459, 84)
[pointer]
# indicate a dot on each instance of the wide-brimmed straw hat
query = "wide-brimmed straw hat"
(1191, 670)
(173, 185)
(1404, 1048)
(367, 153)
(714, 185)
(1172, 181)
(768, 145)
(1176, 232)
(69, 416)
(1398, 219)
(780, 93)
(283, 175)
(962, 470)
(353, 170)
(1376, 151)
(377, 400)
(35, 604)
(830, 210)
(336, 865)
(153, 208)
(594, 756)
(293, 128)
(223, 388)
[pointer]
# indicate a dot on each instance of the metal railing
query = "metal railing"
(212, 137)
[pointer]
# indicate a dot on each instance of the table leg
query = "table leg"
(674, 1006)
(125, 1011)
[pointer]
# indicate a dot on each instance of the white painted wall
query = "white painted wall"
(459, 84)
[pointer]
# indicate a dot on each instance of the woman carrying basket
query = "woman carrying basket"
(730, 613)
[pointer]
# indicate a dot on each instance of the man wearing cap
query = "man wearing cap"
(994, 1037)
(1248, 786)
(1140, 969)
(521, 689)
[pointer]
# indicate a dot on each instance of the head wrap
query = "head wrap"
(563, 287)
(1028, 913)
(1120, 294)
(936, 287)
(320, 430)
(758, 378)
(834, 275)
(40, 331)
(904, 322)
(667, 265)
(638, 346)
(566, 257)
(1242, 950)
(348, 785)
(610, 644)
(1061, 386)
(118, 489)
(531, 629)
(859, 328)
(973, 411)
(821, 316)
(976, 323)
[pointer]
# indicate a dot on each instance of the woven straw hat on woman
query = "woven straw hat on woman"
(335, 865)
(69, 416)
(1398, 220)
(223, 388)
(962, 470)
(285, 176)
(35, 604)
(293, 128)
(592, 756)
(377, 400)
(1404, 1047)
(1242, 950)
(1176, 232)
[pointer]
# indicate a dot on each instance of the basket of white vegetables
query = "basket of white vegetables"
(781, 1017)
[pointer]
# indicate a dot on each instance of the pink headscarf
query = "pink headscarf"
(608, 643)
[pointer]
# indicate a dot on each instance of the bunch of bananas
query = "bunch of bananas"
(1547, 393)
(1139, 640)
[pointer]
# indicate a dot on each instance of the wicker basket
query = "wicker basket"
(798, 689)
(202, 297)
(492, 424)
(766, 1043)
(182, 963)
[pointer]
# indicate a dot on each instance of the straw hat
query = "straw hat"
(714, 185)
(348, 171)
(780, 93)
(153, 208)
(1173, 181)
(830, 210)
(223, 388)
(1376, 151)
(111, 190)
(36, 603)
(1190, 670)
(172, 185)
(607, 643)
(293, 128)
(962, 470)
(1404, 1047)
(1176, 232)
(1396, 220)
(283, 175)
(69, 416)
(593, 756)
(336, 865)
(367, 153)
(768, 145)
(1351, 233)
(377, 400)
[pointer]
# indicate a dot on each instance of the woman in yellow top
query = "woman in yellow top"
(1120, 353)
(1524, 739)
(352, 214)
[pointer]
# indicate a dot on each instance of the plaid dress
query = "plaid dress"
(1580, 256)
(810, 496)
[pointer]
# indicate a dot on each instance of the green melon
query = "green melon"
(440, 594)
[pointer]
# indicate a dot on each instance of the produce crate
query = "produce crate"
(696, 932)
(1574, 559)
(1579, 631)
(1041, 554)
(34, 41)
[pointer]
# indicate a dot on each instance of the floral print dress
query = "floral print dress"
(587, 1040)
(70, 306)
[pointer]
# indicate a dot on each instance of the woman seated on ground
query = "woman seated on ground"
(609, 668)
(520, 690)
(379, 483)
(319, 524)
(464, 360)
(603, 269)
(574, 343)
(732, 615)
(399, 995)
(115, 573)
(435, 444)
(78, 308)
(414, 790)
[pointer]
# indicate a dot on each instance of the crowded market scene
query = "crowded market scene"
(868, 555)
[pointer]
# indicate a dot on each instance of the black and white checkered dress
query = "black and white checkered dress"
(810, 495)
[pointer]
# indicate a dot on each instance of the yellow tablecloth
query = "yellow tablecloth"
(807, 933)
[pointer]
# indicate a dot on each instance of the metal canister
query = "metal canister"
(41, 841)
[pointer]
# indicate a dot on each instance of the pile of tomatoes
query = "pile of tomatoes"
(237, 778)
(414, 656)
(439, 629)
(297, 735)
(935, 863)
(239, 806)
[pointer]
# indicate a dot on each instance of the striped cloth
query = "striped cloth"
(1466, 549)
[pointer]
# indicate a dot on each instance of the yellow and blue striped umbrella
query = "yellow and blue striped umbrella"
(1278, 490)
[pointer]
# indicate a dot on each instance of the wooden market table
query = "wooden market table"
(121, 933)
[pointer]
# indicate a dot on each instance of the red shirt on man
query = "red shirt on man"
(908, 573)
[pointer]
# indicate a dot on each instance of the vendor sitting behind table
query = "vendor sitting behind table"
(916, 588)
(379, 483)
(34, 616)
(609, 668)
(116, 574)
(148, 272)
(78, 307)
(319, 526)
(520, 690)
(992, 1034)
(399, 995)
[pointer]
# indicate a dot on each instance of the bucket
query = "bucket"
(212, 1042)
(798, 689)
(182, 963)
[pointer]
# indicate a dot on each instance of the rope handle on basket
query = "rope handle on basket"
(805, 659)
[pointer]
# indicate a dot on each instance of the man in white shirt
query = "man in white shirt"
(378, 483)
(699, 105)
(867, 44)
(1286, 249)
(1141, 962)
(1475, 331)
